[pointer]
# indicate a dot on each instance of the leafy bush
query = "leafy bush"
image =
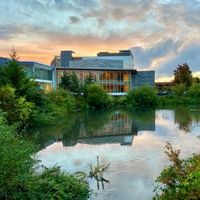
(181, 180)
(17, 109)
(194, 91)
(61, 100)
(142, 96)
(22, 178)
(178, 89)
(54, 184)
(70, 82)
(97, 97)
(16, 162)
(120, 101)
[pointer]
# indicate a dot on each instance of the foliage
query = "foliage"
(178, 89)
(18, 110)
(182, 96)
(61, 101)
(16, 163)
(195, 80)
(54, 184)
(183, 75)
(88, 81)
(120, 101)
(97, 97)
(142, 96)
(181, 180)
(13, 74)
(194, 91)
(70, 83)
(22, 178)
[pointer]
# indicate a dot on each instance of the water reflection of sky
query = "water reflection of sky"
(134, 168)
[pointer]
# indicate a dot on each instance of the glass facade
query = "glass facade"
(43, 74)
(111, 81)
(29, 70)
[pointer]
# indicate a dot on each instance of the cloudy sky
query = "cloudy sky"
(161, 33)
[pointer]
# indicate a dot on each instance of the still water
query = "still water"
(131, 141)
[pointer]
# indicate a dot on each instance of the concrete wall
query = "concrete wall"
(65, 56)
(142, 78)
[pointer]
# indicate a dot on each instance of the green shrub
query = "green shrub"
(178, 89)
(97, 97)
(181, 180)
(61, 101)
(120, 101)
(71, 83)
(18, 110)
(16, 162)
(54, 184)
(194, 91)
(22, 178)
(142, 96)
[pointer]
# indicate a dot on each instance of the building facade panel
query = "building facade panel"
(96, 63)
(142, 78)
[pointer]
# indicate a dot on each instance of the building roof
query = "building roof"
(164, 83)
(43, 66)
(97, 69)
(120, 53)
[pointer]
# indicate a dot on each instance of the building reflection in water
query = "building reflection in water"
(97, 128)
(120, 128)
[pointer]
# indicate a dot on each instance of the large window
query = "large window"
(43, 74)
(29, 70)
(111, 81)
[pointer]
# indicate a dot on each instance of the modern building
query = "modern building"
(115, 72)
(43, 74)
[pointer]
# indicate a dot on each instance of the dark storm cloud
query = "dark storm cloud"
(189, 55)
(74, 20)
(145, 57)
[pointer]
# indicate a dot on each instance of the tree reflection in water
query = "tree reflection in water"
(108, 126)
(187, 118)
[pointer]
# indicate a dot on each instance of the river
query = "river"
(132, 142)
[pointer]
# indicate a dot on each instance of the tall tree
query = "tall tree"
(13, 74)
(13, 54)
(70, 82)
(90, 79)
(183, 75)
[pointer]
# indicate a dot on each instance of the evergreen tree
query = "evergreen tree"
(87, 82)
(13, 74)
(70, 83)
